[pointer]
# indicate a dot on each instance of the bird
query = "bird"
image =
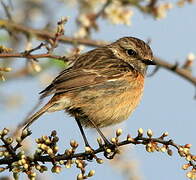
(101, 87)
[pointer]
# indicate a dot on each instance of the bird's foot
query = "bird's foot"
(110, 150)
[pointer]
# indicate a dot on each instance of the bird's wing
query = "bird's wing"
(70, 81)
(88, 73)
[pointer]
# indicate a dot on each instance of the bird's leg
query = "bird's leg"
(98, 130)
(82, 132)
(108, 144)
(106, 141)
(90, 156)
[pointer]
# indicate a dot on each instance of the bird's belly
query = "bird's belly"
(109, 108)
(113, 110)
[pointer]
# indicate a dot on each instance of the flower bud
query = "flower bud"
(163, 149)
(108, 150)
(140, 132)
(149, 133)
(2, 169)
(5, 131)
(88, 149)
(100, 142)
(56, 169)
(80, 177)
(38, 167)
(91, 173)
(50, 152)
(73, 144)
(118, 132)
(169, 152)
(9, 140)
(99, 160)
(185, 166)
(113, 140)
(165, 134)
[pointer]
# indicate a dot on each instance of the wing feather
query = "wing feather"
(98, 69)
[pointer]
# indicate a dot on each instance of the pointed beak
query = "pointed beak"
(148, 62)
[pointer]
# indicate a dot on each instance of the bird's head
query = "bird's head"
(133, 51)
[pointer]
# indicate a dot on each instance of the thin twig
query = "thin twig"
(6, 9)
(177, 70)
(43, 34)
(101, 11)
(30, 56)
(137, 140)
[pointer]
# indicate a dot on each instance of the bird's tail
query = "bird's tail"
(35, 116)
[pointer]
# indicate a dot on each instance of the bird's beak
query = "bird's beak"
(148, 62)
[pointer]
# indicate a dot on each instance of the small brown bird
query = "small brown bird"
(102, 87)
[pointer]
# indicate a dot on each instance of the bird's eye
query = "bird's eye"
(131, 52)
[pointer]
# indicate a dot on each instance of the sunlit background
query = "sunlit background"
(168, 103)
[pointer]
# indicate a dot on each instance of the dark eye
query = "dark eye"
(131, 52)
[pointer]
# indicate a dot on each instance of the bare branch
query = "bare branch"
(32, 56)
(47, 151)
(43, 34)
(177, 70)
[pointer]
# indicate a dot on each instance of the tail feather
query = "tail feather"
(35, 116)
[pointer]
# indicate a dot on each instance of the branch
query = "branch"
(174, 68)
(101, 11)
(45, 35)
(47, 151)
(32, 56)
